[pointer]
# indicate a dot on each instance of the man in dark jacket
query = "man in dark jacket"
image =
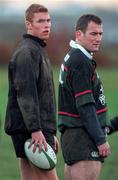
(31, 111)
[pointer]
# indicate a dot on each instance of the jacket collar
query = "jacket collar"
(40, 41)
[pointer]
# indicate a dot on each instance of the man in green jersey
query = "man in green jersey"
(82, 115)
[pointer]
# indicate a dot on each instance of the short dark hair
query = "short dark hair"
(84, 20)
(34, 8)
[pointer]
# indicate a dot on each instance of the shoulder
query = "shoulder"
(78, 59)
(26, 52)
(28, 45)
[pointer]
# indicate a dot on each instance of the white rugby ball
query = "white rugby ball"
(44, 160)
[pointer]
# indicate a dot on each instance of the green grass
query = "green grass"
(8, 162)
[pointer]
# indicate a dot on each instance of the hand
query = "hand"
(104, 149)
(56, 144)
(39, 140)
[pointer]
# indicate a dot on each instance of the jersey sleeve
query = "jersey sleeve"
(92, 124)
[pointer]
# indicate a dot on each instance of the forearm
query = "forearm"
(114, 125)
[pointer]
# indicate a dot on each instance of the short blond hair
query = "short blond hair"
(34, 8)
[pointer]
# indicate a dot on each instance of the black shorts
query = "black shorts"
(77, 146)
(19, 140)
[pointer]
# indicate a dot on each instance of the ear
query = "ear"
(79, 34)
(28, 25)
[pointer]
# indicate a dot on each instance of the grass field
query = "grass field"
(8, 161)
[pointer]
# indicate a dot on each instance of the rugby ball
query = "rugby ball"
(45, 160)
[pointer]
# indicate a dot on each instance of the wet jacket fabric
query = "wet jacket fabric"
(31, 99)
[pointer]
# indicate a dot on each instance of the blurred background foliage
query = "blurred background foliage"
(64, 17)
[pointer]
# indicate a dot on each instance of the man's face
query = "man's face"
(40, 25)
(92, 38)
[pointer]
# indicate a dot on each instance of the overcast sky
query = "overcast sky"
(54, 3)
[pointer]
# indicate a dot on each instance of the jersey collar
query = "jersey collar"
(75, 45)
